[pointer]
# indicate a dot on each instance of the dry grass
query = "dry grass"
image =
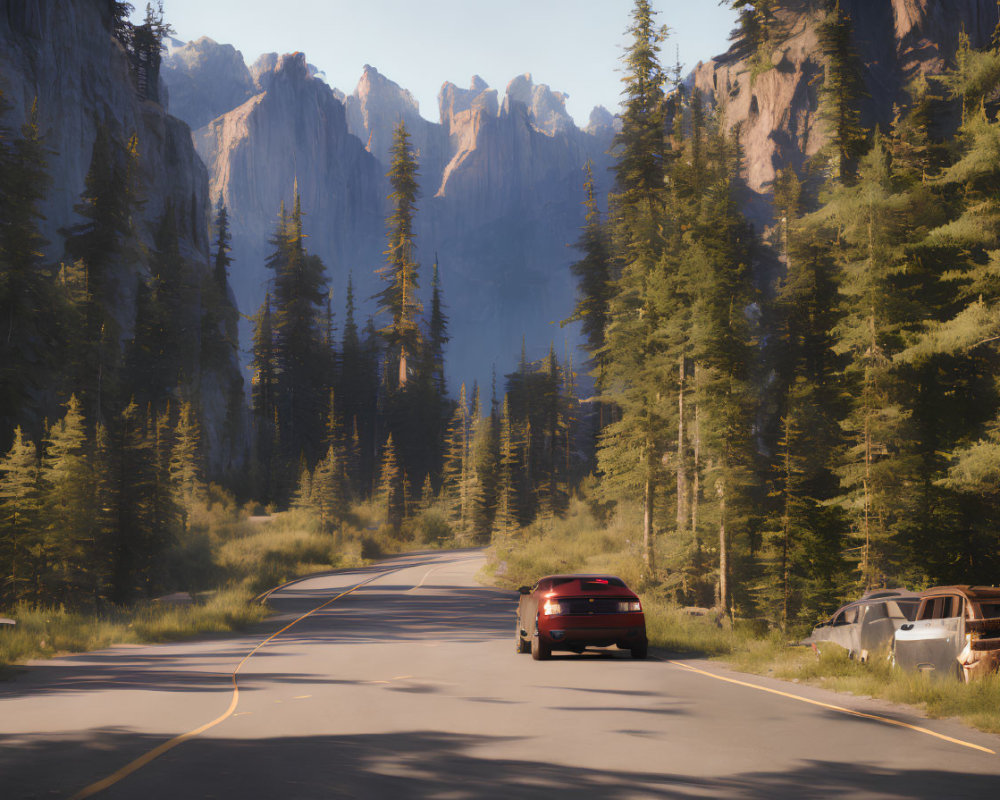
(43, 632)
(226, 556)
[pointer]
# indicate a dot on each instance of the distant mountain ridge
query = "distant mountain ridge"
(501, 186)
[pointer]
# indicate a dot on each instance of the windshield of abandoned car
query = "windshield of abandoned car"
(942, 608)
(989, 610)
(907, 609)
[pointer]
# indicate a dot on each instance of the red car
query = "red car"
(569, 612)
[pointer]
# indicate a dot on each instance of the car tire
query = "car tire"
(640, 650)
(540, 650)
(520, 645)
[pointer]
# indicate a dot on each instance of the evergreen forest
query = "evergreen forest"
(791, 415)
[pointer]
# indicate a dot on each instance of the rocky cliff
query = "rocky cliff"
(501, 190)
(206, 80)
(897, 40)
(295, 129)
(64, 56)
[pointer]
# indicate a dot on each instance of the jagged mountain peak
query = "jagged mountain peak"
(375, 88)
(453, 100)
(601, 121)
(546, 108)
(375, 108)
(292, 65)
(206, 79)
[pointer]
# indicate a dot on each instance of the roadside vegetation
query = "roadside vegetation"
(224, 560)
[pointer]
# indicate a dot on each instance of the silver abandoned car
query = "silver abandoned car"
(956, 633)
(867, 625)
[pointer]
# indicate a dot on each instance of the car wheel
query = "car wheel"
(540, 650)
(640, 650)
(520, 645)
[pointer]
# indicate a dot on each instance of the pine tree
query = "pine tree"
(869, 333)
(437, 335)
(505, 522)
(27, 302)
(805, 572)
(168, 498)
(757, 31)
(223, 247)
(299, 292)
(146, 42)
(632, 446)
(723, 342)
(481, 473)
(389, 497)
(163, 353)
(456, 476)
(639, 146)
(136, 538)
(262, 397)
(20, 509)
(350, 387)
(327, 490)
(949, 365)
(186, 463)
(399, 298)
(100, 243)
(592, 272)
(841, 93)
(70, 510)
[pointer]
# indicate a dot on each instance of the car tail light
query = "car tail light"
(629, 606)
(551, 608)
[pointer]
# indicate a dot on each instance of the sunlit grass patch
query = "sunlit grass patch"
(225, 557)
(44, 632)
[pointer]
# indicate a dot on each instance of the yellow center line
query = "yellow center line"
(156, 752)
(841, 709)
(426, 576)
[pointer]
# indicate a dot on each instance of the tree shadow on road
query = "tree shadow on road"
(426, 763)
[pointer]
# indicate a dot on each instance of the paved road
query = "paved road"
(410, 687)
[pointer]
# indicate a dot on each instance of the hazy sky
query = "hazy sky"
(572, 45)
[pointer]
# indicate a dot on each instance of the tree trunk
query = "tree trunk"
(681, 472)
(696, 480)
(647, 514)
(723, 548)
(402, 368)
(786, 523)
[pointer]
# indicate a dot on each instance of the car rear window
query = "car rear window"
(593, 605)
(587, 584)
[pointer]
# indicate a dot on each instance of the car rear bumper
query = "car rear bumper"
(631, 636)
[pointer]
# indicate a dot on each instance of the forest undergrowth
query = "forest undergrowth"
(226, 558)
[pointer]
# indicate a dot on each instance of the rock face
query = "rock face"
(206, 79)
(294, 130)
(501, 183)
(64, 56)
(896, 39)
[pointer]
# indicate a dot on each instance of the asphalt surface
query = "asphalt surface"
(410, 687)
